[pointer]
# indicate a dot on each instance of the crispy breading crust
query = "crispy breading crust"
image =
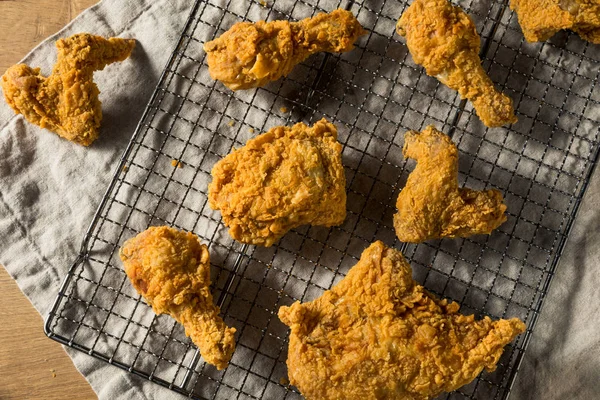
(250, 55)
(280, 180)
(431, 205)
(541, 19)
(379, 335)
(443, 39)
(67, 101)
(171, 269)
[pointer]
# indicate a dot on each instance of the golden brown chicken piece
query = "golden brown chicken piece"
(250, 55)
(431, 205)
(379, 335)
(443, 39)
(540, 19)
(171, 269)
(280, 180)
(67, 101)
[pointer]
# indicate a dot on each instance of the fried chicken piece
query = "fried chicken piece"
(250, 55)
(379, 335)
(431, 205)
(280, 180)
(541, 19)
(443, 39)
(171, 269)
(67, 101)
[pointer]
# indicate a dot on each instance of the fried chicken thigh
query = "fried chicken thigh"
(171, 269)
(280, 180)
(67, 101)
(540, 19)
(431, 205)
(443, 39)
(250, 55)
(379, 335)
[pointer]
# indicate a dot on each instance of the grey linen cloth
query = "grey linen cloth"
(50, 188)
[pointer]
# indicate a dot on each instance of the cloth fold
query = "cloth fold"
(50, 189)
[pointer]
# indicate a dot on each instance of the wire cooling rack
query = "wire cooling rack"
(373, 94)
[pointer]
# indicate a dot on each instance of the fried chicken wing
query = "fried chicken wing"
(250, 55)
(541, 19)
(379, 335)
(443, 39)
(431, 205)
(67, 101)
(171, 269)
(280, 180)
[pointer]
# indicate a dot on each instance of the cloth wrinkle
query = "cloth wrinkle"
(31, 242)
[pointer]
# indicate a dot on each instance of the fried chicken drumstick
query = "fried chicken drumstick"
(379, 335)
(280, 180)
(171, 269)
(443, 39)
(541, 19)
(67, 101)
(250, 55)
(431, 205)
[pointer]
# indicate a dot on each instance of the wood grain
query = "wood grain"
(31, 365)
(25, 23)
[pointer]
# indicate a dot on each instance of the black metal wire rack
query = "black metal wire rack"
(373, 94)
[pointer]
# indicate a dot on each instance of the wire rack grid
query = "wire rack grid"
(373, 94)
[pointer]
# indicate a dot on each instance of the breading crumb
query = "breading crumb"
(231, 123)
(176, 164)
(283, 109)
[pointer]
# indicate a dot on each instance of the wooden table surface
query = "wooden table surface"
(31, 365)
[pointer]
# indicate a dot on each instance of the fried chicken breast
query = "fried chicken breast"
(431, 205)
(541, 19)
(66, 102)
(250, 55)
(379, 335)
(171, 269)
(443, 39)
(280, 180)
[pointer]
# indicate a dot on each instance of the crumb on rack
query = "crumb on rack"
(263, 3)
(177, 163)
(231, 123)
(251, 130)
(283, 381)
(283, 109)
(124, 169)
